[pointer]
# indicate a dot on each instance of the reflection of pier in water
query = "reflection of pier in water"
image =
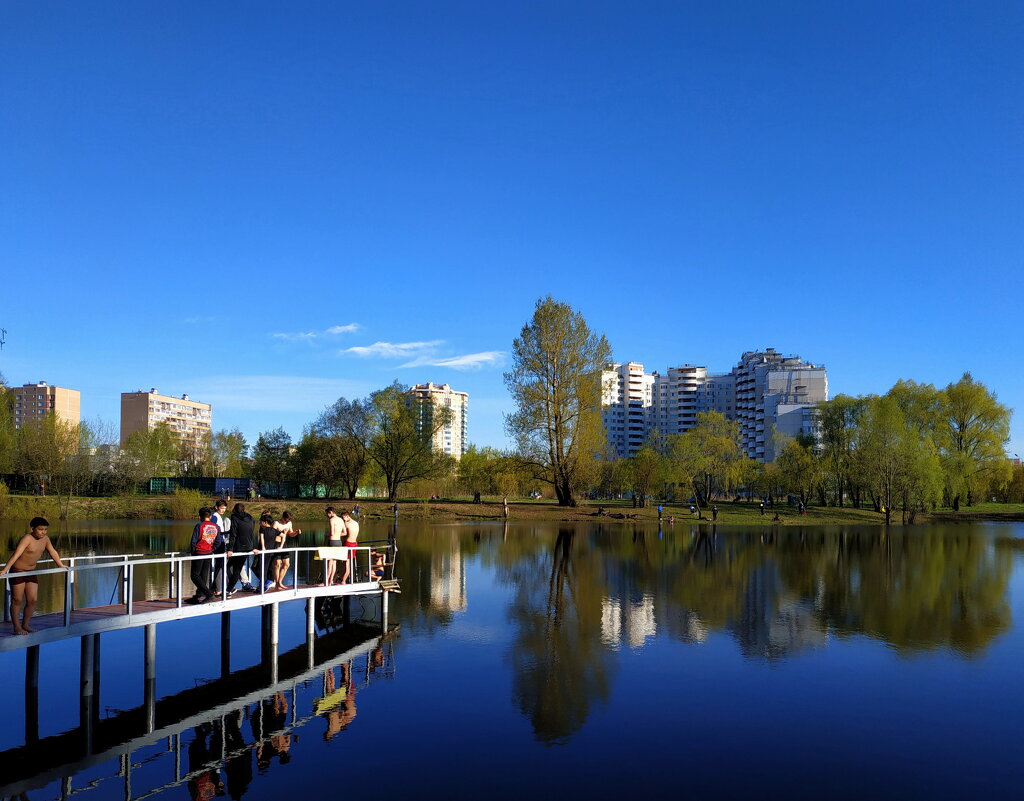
(204, 709)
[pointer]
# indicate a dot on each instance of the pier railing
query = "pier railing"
(130, 566)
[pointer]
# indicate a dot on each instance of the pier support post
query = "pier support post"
(346, 609)
(310, 632)
(149, 671)
(87, 688)
(269, 655)
(225, 644)
(384, 611)
(32, 694)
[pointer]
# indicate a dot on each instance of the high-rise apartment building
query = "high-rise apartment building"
(451, 438)
(775, 393)
(626, 392)
(142, 411)
(766, 393)
(34, 401)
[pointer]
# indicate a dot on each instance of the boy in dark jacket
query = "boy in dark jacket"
(241, 540)
(206, 539)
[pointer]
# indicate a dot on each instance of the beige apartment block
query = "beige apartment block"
(141, 411)
(33, 401)
(451, 438)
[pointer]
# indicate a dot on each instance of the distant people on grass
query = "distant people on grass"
(25, 590)
(206, 539)
(241, 542)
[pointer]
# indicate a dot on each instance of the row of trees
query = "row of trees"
(912, 448)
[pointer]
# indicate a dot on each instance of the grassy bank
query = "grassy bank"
(23, 507)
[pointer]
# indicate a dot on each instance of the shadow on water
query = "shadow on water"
(214, 713)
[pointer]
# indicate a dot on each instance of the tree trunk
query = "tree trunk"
(956, 503)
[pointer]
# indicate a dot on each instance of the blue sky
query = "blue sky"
(268, 205)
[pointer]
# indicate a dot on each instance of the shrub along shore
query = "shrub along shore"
(744, 513)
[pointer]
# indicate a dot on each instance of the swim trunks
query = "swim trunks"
(24, 579)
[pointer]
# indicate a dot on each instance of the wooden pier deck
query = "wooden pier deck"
(51, 627)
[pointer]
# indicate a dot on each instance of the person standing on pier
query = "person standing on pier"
(223, 522)
(351, 541)
(25, 591)
(206, 539)
(335, 539)
(284, 529)
(242, 540)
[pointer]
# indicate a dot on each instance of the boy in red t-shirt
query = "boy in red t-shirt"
(206, 539)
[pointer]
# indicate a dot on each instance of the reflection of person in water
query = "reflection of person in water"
(206, 783)
(238, 768)
(272, 739)
(339, 701)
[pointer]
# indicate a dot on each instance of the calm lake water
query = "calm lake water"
(578, 660)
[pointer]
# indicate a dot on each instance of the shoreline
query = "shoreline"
(743, 513)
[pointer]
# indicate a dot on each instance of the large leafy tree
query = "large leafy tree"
(973, 431)
(400, 441)
(555, 382)
(345, 428)
(271, 456)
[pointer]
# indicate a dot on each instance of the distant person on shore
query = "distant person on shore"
(659, 511)
(206, 539)
(762, 508)
(504, 502)
(335, 539)
(284, 529)
(25, 591)
(355, 510)
(395, 509)
(242, 540)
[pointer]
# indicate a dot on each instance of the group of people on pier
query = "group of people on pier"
(237, 536)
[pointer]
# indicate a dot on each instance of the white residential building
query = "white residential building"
(766, 392)
(451, 438)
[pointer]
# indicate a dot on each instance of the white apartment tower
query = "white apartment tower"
(766, 392)
(626, 396)
(775, 393)
(452, 438)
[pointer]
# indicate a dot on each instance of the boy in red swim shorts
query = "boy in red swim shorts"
(24, 591)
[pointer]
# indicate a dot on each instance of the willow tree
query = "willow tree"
(555, 381)
(973, 433)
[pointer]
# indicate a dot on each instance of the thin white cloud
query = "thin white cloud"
(309, 336)
(299, 337)
(468, 361)
(391, 350)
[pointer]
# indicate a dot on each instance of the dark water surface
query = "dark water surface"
(573, 661)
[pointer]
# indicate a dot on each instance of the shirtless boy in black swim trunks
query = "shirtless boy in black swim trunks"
(26, 555)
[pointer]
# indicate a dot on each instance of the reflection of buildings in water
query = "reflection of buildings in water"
(448, 578)
(771, 625)
(684, 624)
(629, 621)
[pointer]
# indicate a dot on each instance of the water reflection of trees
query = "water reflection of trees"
(560, 667)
